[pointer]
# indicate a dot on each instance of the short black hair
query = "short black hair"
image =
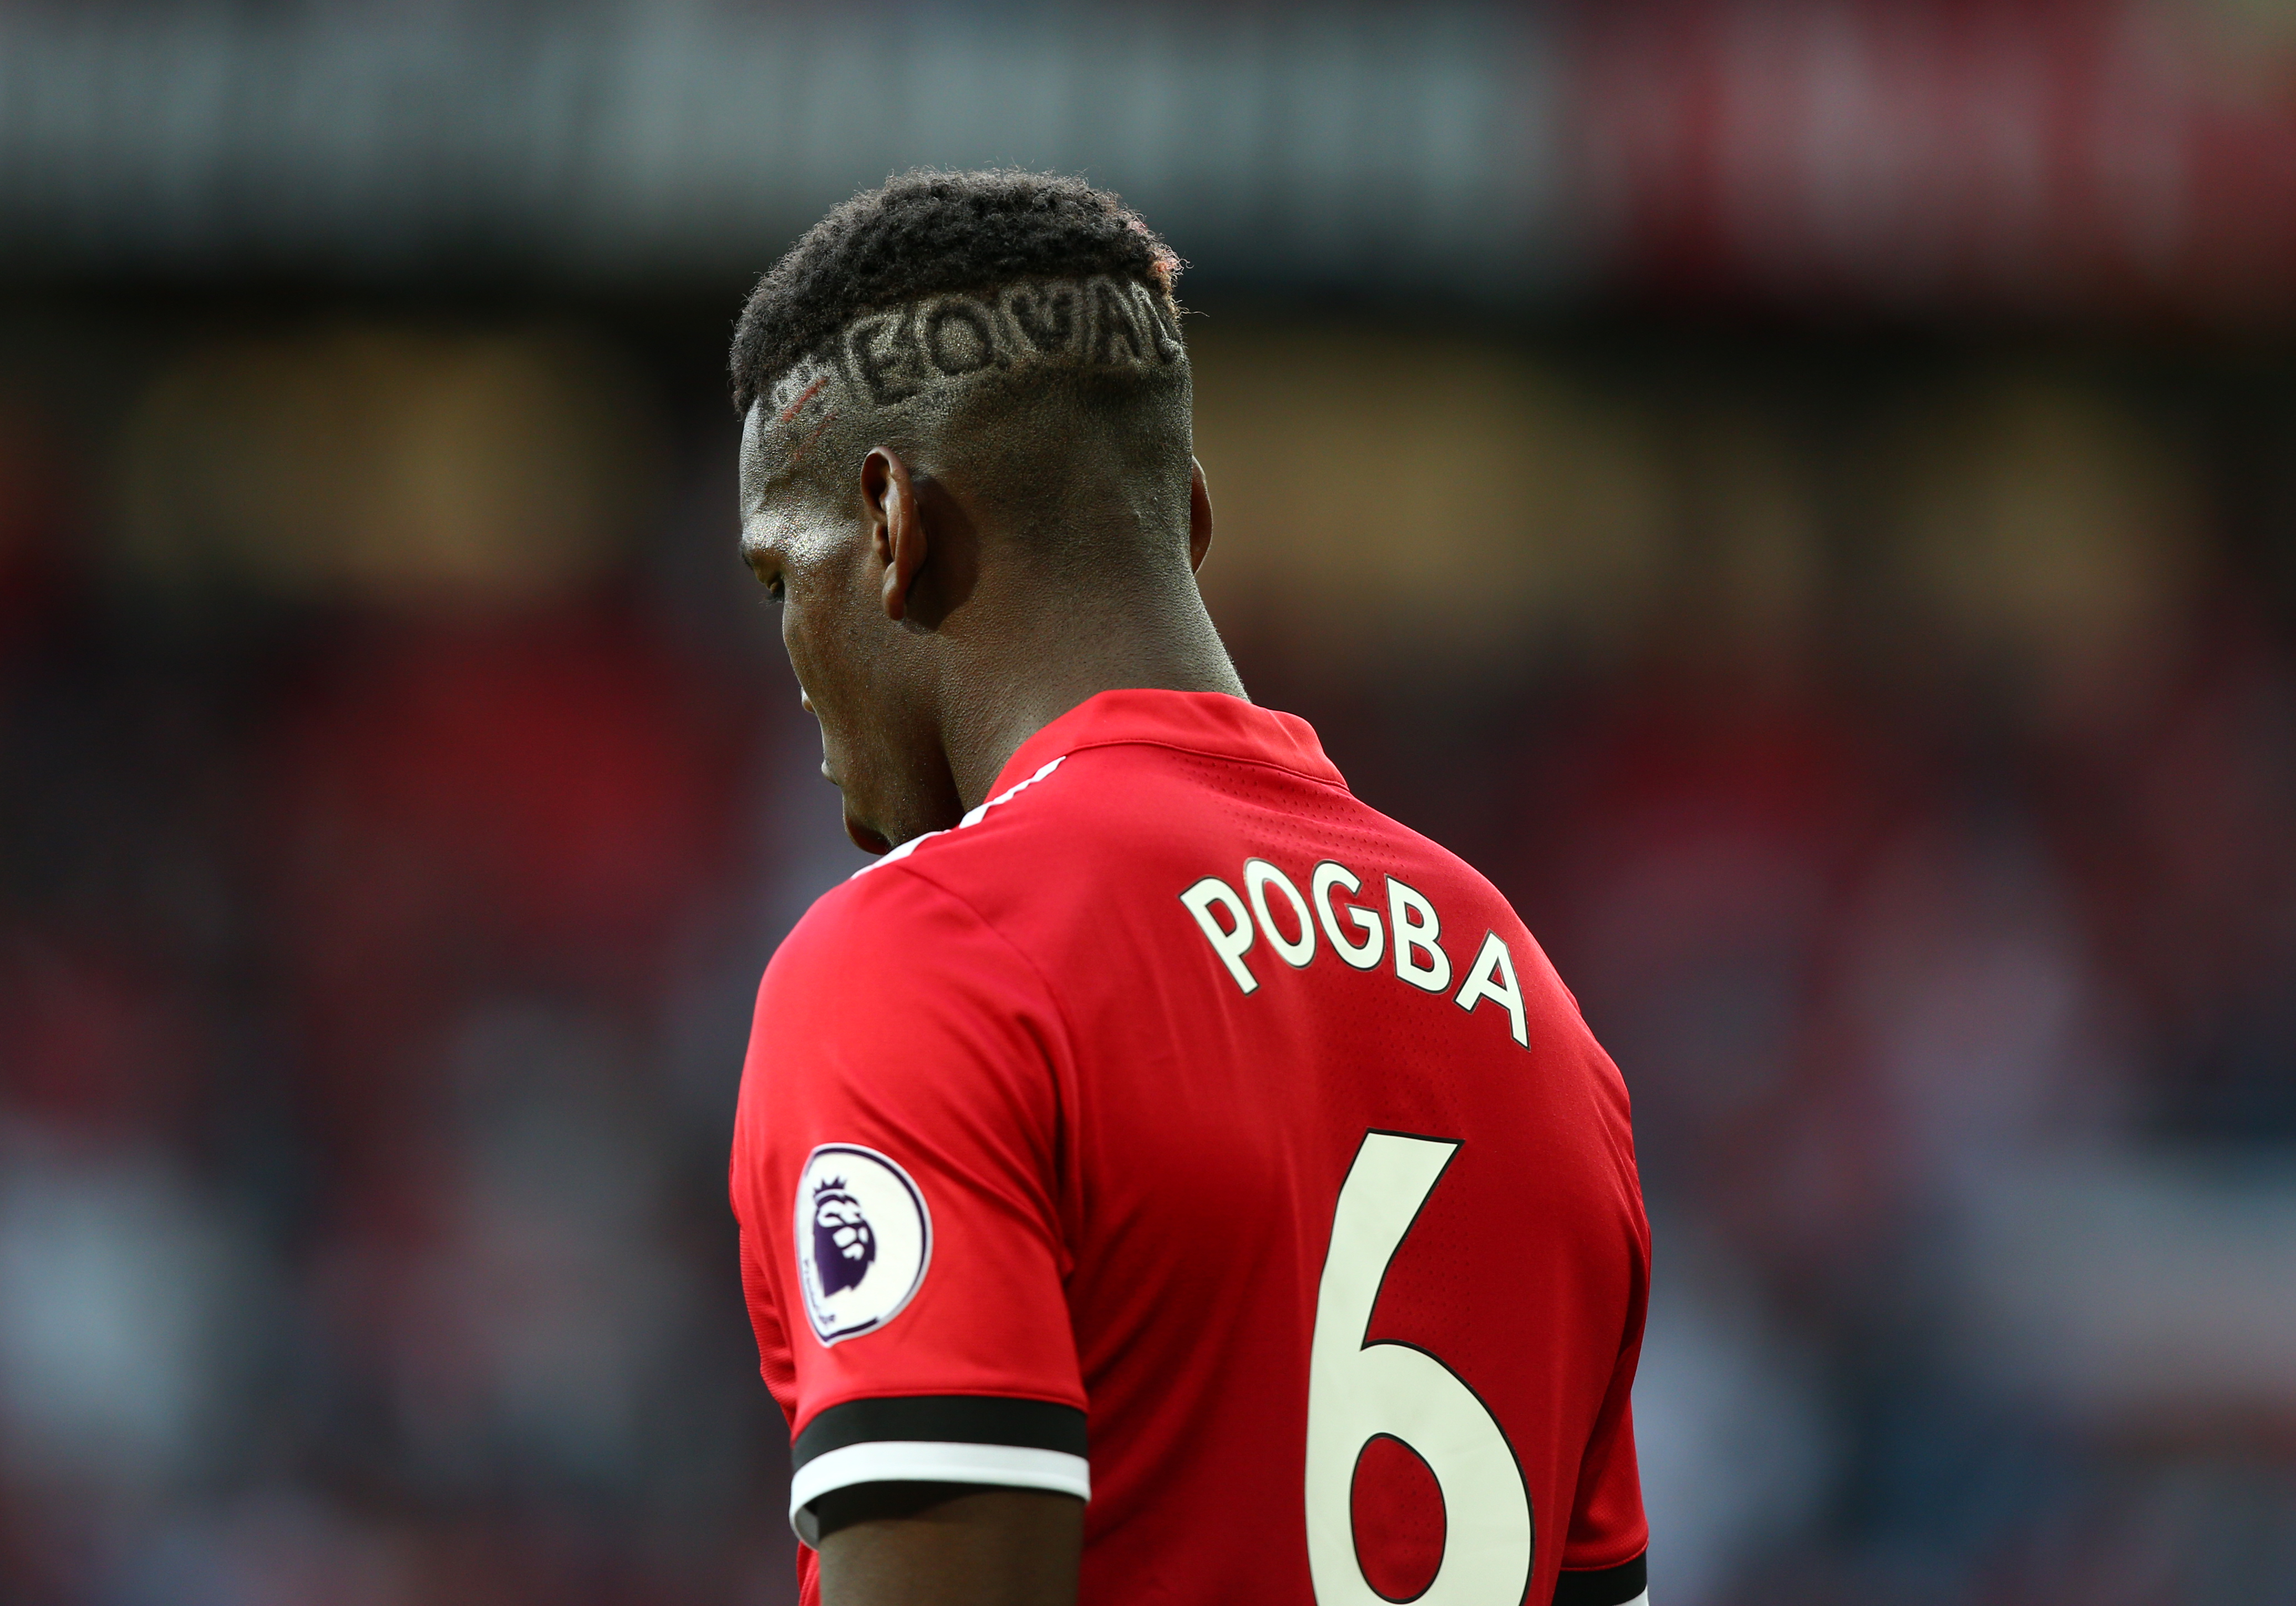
(929, 232)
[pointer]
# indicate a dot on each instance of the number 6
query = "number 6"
(1357, 1390)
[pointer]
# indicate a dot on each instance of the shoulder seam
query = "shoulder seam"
(972, 817)
(907, 870)
(1044, 981)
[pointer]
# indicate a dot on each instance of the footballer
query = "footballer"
(1162, 1177)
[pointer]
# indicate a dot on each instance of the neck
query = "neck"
(1051, 654)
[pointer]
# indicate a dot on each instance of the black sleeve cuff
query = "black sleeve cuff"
(1618, 1585)
(966, 1419)
(1023, 1444)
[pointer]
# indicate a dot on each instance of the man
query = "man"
(1162, 1177)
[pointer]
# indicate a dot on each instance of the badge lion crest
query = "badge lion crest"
(864, 1239)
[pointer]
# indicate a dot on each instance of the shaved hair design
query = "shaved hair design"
(1016, 329)
(924, 233)
(925, 359)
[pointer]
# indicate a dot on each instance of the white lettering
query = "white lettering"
(1416, 928)
(1493, 976)
(1363, 954)
(1258, 875)
(1231, 944)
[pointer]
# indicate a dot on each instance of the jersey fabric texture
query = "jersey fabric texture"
(1173, 1114)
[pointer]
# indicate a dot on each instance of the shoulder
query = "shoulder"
(884, 929)
(1011, 840)
(928, 910)
(891, 989)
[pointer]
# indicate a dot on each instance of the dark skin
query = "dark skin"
(930, 642)
(948, 1544)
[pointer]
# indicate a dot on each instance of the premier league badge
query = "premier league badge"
(864, 1238)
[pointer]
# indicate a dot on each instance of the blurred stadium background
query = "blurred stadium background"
(1804, 493)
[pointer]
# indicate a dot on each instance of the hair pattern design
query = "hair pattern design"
(892, 356)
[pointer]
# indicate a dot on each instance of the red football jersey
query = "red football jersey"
(1181, 1134)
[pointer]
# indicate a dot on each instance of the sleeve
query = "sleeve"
(1604, 1552)
(895, 1177)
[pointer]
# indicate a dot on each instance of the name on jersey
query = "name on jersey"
(1401, 930)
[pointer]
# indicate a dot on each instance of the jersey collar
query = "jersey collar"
(1196, 722)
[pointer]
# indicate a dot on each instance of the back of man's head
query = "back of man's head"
(1016, 331)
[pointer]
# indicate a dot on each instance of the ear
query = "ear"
(1200, 515)
(897, 527)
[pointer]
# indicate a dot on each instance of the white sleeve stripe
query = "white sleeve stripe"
(1641, 1600)
(894, 854)
(905, 1460)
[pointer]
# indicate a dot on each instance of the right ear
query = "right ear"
(897, 527)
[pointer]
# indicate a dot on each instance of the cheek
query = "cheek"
(823, 630)
(797, 632)
(793, 638)
(814, 645)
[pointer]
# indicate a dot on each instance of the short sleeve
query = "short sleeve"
(1605, 1552)
(896, 1161)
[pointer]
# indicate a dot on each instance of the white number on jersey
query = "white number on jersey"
(1357, 1391)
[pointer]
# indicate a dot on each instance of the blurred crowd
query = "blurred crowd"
(1894, 743)
(382, 902)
